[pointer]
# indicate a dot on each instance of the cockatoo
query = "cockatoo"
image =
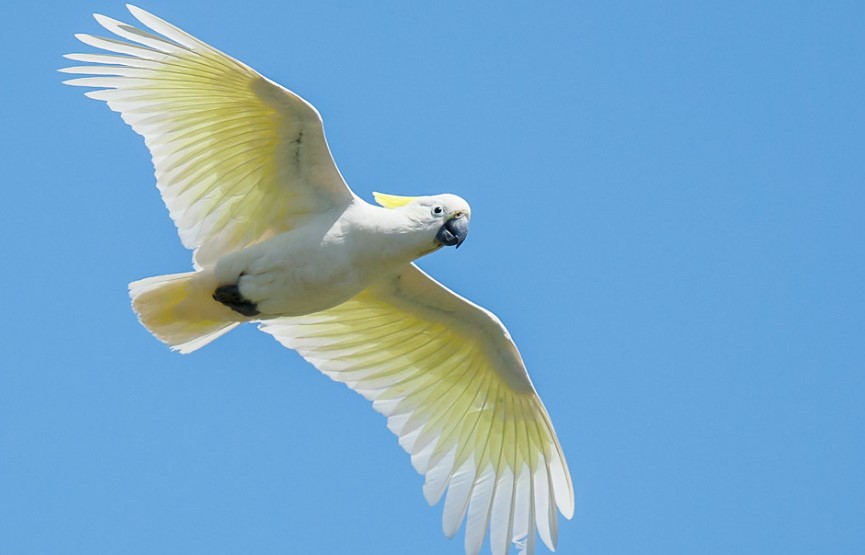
(279, 239)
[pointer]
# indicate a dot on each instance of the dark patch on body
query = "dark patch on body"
(230, 296)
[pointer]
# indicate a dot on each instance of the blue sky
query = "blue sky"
(668, 210)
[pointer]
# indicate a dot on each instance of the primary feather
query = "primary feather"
(245, 171)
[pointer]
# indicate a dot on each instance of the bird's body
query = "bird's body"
(324, 262)
(304, 270)
(279, 239)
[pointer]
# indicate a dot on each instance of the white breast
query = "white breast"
(316, 266)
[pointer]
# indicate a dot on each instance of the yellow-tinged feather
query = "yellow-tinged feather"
(180, 311)
(391, 201)
(448, 377)
(238, 158)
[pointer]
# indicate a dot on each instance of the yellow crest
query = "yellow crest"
(391, 201)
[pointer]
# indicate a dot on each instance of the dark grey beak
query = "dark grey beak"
(454, 232)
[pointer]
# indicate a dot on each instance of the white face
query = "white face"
(445, 217)
(438, 209)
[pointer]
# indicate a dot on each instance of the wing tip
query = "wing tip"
(136, 11)
(568, 510)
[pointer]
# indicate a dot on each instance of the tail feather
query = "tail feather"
(180, 311)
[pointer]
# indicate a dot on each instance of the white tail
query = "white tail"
(180, 311)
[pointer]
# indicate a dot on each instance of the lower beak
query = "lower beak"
(453, 232)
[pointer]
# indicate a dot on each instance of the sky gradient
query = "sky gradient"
(667, 214)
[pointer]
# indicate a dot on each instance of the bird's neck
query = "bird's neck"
(392, 236)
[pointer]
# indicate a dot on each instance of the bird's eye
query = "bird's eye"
(438, 210)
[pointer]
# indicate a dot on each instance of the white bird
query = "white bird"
(279, 239)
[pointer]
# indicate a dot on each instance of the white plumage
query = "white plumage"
(279, 239)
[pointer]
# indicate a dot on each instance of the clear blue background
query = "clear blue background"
(669, 215)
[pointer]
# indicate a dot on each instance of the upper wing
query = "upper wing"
(453, 386)
(238, 157)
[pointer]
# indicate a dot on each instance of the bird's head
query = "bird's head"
(446, 217)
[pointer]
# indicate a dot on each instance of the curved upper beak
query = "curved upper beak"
(453, 232)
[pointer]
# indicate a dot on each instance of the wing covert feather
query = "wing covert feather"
(448, 377)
